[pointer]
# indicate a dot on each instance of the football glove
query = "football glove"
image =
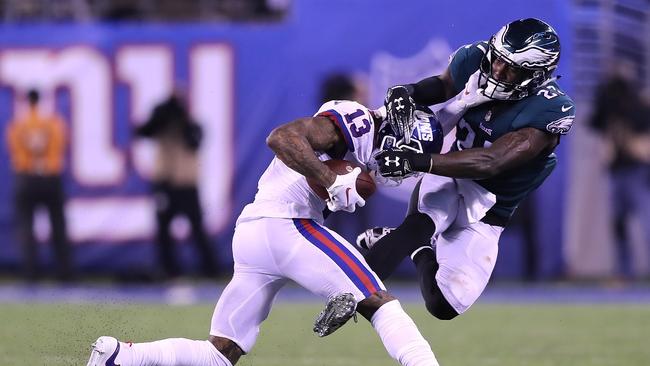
(398, 163)
(399, 110)
(343, 193)
(471, 96)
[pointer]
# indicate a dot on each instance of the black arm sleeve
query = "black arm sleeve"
(428, 91)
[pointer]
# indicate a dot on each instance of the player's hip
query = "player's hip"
(452, 202)
(305, 251)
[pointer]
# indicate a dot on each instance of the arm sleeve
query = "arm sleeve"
(428, 91)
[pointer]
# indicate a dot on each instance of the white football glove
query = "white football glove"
(471, 96)
(343, 193)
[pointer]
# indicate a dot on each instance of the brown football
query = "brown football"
(365, 184)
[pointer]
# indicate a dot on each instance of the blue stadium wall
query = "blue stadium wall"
(243, 79)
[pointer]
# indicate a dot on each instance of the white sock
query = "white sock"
(171, 352)
(401, 336)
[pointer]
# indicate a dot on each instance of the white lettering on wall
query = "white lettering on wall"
(148, 72)
(212, 103)
(96, 159)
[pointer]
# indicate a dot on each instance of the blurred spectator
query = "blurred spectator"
(37, 144)
(174, 184)
(39, 10)
(524, 221)
(122, 10)
(341, 86)
(622, 117)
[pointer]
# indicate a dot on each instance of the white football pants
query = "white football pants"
(466, 248)
(268, 252)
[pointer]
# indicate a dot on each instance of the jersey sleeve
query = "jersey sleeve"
(356, 125)
(464, 62)
(554, 114)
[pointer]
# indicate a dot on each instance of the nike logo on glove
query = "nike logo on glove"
(566, 108)
(347, 196)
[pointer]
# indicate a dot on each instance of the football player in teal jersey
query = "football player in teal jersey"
(509, 114)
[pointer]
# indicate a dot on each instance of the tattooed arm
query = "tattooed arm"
(295, 143)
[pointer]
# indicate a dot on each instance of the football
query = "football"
(365, 184)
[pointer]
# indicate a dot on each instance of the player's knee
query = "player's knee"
(227, 347)
(419, 226)
(368, 306)
(440, 308)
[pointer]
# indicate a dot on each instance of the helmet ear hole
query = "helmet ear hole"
(539, 76)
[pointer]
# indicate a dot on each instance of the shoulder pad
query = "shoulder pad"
(548, 109)
(465, 61)
(341, 106)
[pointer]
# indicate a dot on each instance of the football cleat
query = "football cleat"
(368, 238)
(337, 312)
(104, 351)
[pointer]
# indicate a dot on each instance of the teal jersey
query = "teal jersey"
(547, 109)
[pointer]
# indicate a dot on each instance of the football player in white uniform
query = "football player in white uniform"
(280, 237)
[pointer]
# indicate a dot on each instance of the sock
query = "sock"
(427, 267)
(420, 249)
(401, 337)
(388, 252)
(171, 352)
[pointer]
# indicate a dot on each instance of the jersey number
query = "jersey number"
(466, 137)
(550, 92)
(354, 128)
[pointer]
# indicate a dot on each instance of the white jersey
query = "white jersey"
(284, 193)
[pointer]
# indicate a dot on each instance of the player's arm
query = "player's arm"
(432, 90)
(507, 152)
(295, 144)
(401, 99)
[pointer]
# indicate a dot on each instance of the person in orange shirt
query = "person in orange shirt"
(37, 143)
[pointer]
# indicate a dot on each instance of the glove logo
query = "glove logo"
(347, 196)
(388, 161)
(399, 105)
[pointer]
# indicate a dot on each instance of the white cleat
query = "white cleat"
(368, 238)
(104, 351)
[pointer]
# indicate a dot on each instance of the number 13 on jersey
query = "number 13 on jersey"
(352, 120)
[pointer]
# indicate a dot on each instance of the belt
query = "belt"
(493, 219)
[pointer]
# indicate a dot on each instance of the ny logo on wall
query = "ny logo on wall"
(91, 79)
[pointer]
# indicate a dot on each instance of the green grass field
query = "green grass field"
(503, 335)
